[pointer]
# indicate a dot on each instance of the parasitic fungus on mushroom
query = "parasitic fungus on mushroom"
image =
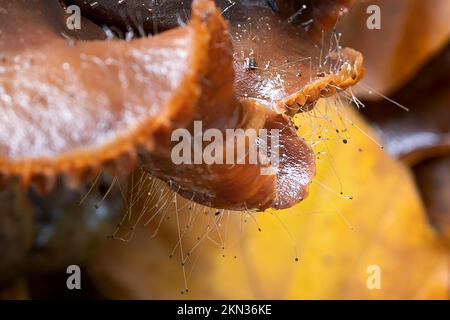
(71, 107)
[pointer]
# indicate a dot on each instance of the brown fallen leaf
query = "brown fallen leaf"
(433, 179)
(423, 131)
(412, 31)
